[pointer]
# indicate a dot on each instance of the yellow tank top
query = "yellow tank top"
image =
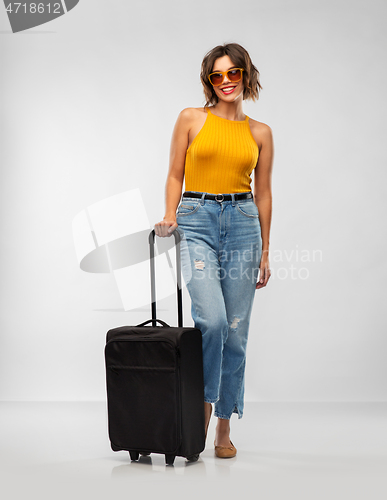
(221, 157)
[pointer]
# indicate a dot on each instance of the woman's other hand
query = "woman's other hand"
(165, 227)
(264, 271)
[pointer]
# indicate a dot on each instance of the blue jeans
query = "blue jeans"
(221, 250)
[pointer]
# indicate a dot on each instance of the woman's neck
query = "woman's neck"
(230, 110)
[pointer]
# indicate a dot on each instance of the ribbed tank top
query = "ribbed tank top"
(221, 157)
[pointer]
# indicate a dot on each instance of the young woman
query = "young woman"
(224, 226)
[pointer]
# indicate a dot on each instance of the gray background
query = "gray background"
(88, 104)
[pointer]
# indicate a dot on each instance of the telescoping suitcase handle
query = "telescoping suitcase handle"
(177, 236)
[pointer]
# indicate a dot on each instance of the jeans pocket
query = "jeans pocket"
(187, 208)
(248, 209)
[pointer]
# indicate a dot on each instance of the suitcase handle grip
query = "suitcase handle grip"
(151, 320)
(177, 236)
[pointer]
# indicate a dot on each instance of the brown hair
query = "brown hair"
(240, 57)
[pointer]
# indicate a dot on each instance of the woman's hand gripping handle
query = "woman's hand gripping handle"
(165, 227)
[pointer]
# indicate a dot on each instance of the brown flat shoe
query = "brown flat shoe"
(225, 451)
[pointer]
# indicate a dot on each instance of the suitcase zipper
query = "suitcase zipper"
(115, 368)
(146, 338)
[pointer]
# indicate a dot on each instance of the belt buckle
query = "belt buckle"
(216, 198)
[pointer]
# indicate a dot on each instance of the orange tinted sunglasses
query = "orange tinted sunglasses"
(234, 75)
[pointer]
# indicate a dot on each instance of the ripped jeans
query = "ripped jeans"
(221, 250)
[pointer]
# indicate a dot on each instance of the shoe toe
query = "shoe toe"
(225, 451)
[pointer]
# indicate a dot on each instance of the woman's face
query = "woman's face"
(227, 91)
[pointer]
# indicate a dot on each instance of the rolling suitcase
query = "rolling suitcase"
(154, 383)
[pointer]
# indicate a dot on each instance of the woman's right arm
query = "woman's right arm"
(174, 184)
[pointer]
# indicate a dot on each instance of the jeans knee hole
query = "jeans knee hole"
(199, 264)
(235, 323)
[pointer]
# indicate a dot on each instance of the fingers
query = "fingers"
(165, 228)
(172, 228)
(265, 274)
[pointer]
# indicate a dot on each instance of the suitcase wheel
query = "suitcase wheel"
(193, 458)
(134, 455)
(169, 459)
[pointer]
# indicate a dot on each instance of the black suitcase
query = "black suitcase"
(154, 383)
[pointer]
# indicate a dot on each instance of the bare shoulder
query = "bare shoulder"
(191, 120)
(261, 132)
(192, 113)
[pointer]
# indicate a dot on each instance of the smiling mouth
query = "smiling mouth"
(228, 90)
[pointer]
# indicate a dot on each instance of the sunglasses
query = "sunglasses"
(234, 75)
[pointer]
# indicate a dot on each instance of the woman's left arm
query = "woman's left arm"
(263, 195)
